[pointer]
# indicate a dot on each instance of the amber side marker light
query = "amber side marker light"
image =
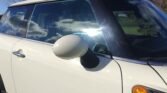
(139, 89)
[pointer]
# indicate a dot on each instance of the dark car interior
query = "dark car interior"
(0, 17)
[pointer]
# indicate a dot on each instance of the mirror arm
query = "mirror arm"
(90, 60)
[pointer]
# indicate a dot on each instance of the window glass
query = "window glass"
(135, 26)
(14, 22)
(51, 21)
(161, 4)
(144, 34)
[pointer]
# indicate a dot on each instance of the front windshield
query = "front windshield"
(144, 32)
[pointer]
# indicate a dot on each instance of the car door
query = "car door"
(37, 70)
(10, 33)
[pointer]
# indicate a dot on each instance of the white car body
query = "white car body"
(39, 70)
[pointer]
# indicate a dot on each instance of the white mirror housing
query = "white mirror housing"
(70, 46)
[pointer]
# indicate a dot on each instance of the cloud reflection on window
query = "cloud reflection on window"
(14, 23)
(36, 31)
(88, 27)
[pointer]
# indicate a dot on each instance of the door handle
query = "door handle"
(19, 53)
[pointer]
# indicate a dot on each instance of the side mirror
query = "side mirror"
(69, 47)
(72, 46)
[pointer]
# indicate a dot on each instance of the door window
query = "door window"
(14, 22)
(51, 21)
